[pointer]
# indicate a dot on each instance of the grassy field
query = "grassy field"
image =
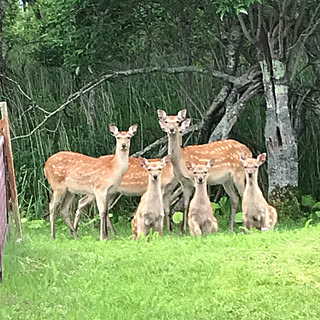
(272, 275)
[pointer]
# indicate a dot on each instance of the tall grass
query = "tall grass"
(83, 125)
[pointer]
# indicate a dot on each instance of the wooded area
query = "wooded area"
(244, 69)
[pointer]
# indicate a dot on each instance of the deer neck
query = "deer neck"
(175, 152)
(122, 160)
(201, 193)
(252, 187)
(154, 191)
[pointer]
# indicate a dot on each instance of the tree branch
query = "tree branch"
(126, 73)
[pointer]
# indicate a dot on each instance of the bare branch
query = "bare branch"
(245, 30)
(126, 73)
(17, 84)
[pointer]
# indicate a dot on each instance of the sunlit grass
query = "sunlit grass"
(272, 275)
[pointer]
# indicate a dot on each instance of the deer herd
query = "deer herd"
(226, 162)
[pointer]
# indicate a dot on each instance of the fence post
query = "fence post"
(10, 166)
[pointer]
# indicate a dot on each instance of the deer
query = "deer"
(135, 183)
(150, 211)
(201, 219)
(227, 171)
(69, 173)
(257, 213)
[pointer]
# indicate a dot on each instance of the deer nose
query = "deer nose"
(200, 179)
(250, 175)
(155, 177)
(171, 129)
(123, 145)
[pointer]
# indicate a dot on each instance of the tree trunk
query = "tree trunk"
(279, 136)
(1, 42)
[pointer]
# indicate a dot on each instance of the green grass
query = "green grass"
(272, 275)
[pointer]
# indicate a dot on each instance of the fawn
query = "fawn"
(150, 212)
(228, 169)
(201, 217)
(256, 210)
(70, 172)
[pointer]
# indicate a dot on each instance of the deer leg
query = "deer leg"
(84, 201)
(232, 193)
(166, 208)
(109, 222)
(56, 197)
(103, 211)
(65, 206)
(194, 228)
(187, 194)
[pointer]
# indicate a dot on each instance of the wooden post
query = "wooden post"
(11, 175)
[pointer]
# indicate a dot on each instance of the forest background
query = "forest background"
(244, 69)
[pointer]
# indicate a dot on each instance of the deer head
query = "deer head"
(155, 167)
(123, 137)
(251, 165)
(200, 171)
(171, 124)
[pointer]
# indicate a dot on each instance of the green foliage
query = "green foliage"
(239, 217)
(231, 7)
(125, 279)
(308, 201)
(177, 217)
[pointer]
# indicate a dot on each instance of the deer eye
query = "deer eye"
(245, 167)
(256, 167)
(149, 169)
(165, 121)
(177, 121)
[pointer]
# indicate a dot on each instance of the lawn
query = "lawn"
(271, 275)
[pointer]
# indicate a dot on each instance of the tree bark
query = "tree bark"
(279, 136)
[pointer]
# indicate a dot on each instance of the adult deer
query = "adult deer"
(70, 172)
(228, 169)
(257, 213)
(135, 183)
(150, 211)
(201, 219)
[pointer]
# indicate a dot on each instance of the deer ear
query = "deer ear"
(242, 157)
(262, 158)
(144, 163)
(162, 114)
(165, 160)
(113, 129)
(182, 114)
(210, 163)
(189, 165)
(133, 129)
(185, 124)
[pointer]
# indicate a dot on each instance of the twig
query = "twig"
(17, 84)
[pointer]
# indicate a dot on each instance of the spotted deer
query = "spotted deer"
(135, 183)
(228, 169)
(201, 219)
(70, 172)
(257, 213)
(150, 212)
